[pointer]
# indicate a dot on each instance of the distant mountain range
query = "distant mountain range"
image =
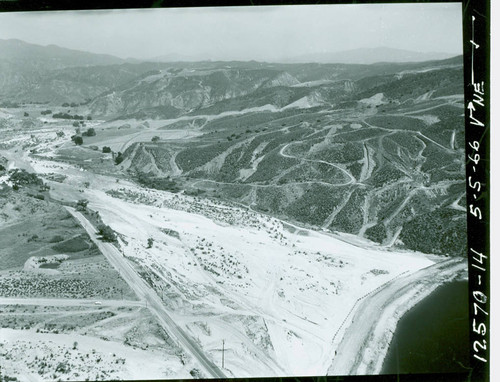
(369, 56)
(53, 56)
(51, 74)
(14, 50)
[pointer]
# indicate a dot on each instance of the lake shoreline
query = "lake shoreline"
(431, 336)
(400, 311)
(365, 344)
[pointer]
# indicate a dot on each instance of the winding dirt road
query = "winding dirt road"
(347, 173)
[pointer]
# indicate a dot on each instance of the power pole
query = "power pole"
(223, 354)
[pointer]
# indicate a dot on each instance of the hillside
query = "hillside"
(375, 150)
(55, 75)
(379, 157)
(212, 88)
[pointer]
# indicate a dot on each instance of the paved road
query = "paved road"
(147, 294)
(68, 302)
(350, 357)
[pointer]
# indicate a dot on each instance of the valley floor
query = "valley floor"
(221, 280)
(281, 299)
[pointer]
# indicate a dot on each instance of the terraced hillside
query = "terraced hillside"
(375, 151)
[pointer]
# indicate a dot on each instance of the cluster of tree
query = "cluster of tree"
(89, 133)
(106, 232)
(68, 116)
(78, 140)
(22, 177)
(81, 205)
(159, 183)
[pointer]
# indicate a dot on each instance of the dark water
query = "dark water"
(433, 337)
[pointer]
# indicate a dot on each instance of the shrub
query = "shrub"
(106, 232)
(150, 242)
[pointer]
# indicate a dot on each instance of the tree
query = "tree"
(89, 118)
(155, 138)
(107, 234)
(119, 158)
(150, 242)
(106, 149)
(90, 132)
(81, 205)
(76, 124)
(77, 139)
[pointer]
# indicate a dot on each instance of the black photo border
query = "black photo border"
(476, 18)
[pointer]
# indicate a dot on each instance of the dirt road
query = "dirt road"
(147, 294)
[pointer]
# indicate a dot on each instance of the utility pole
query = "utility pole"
(223, 354)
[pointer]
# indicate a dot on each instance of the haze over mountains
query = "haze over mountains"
(59, 57)
(30, 72)
(371, 56)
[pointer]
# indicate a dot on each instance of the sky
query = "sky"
(243, 33)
